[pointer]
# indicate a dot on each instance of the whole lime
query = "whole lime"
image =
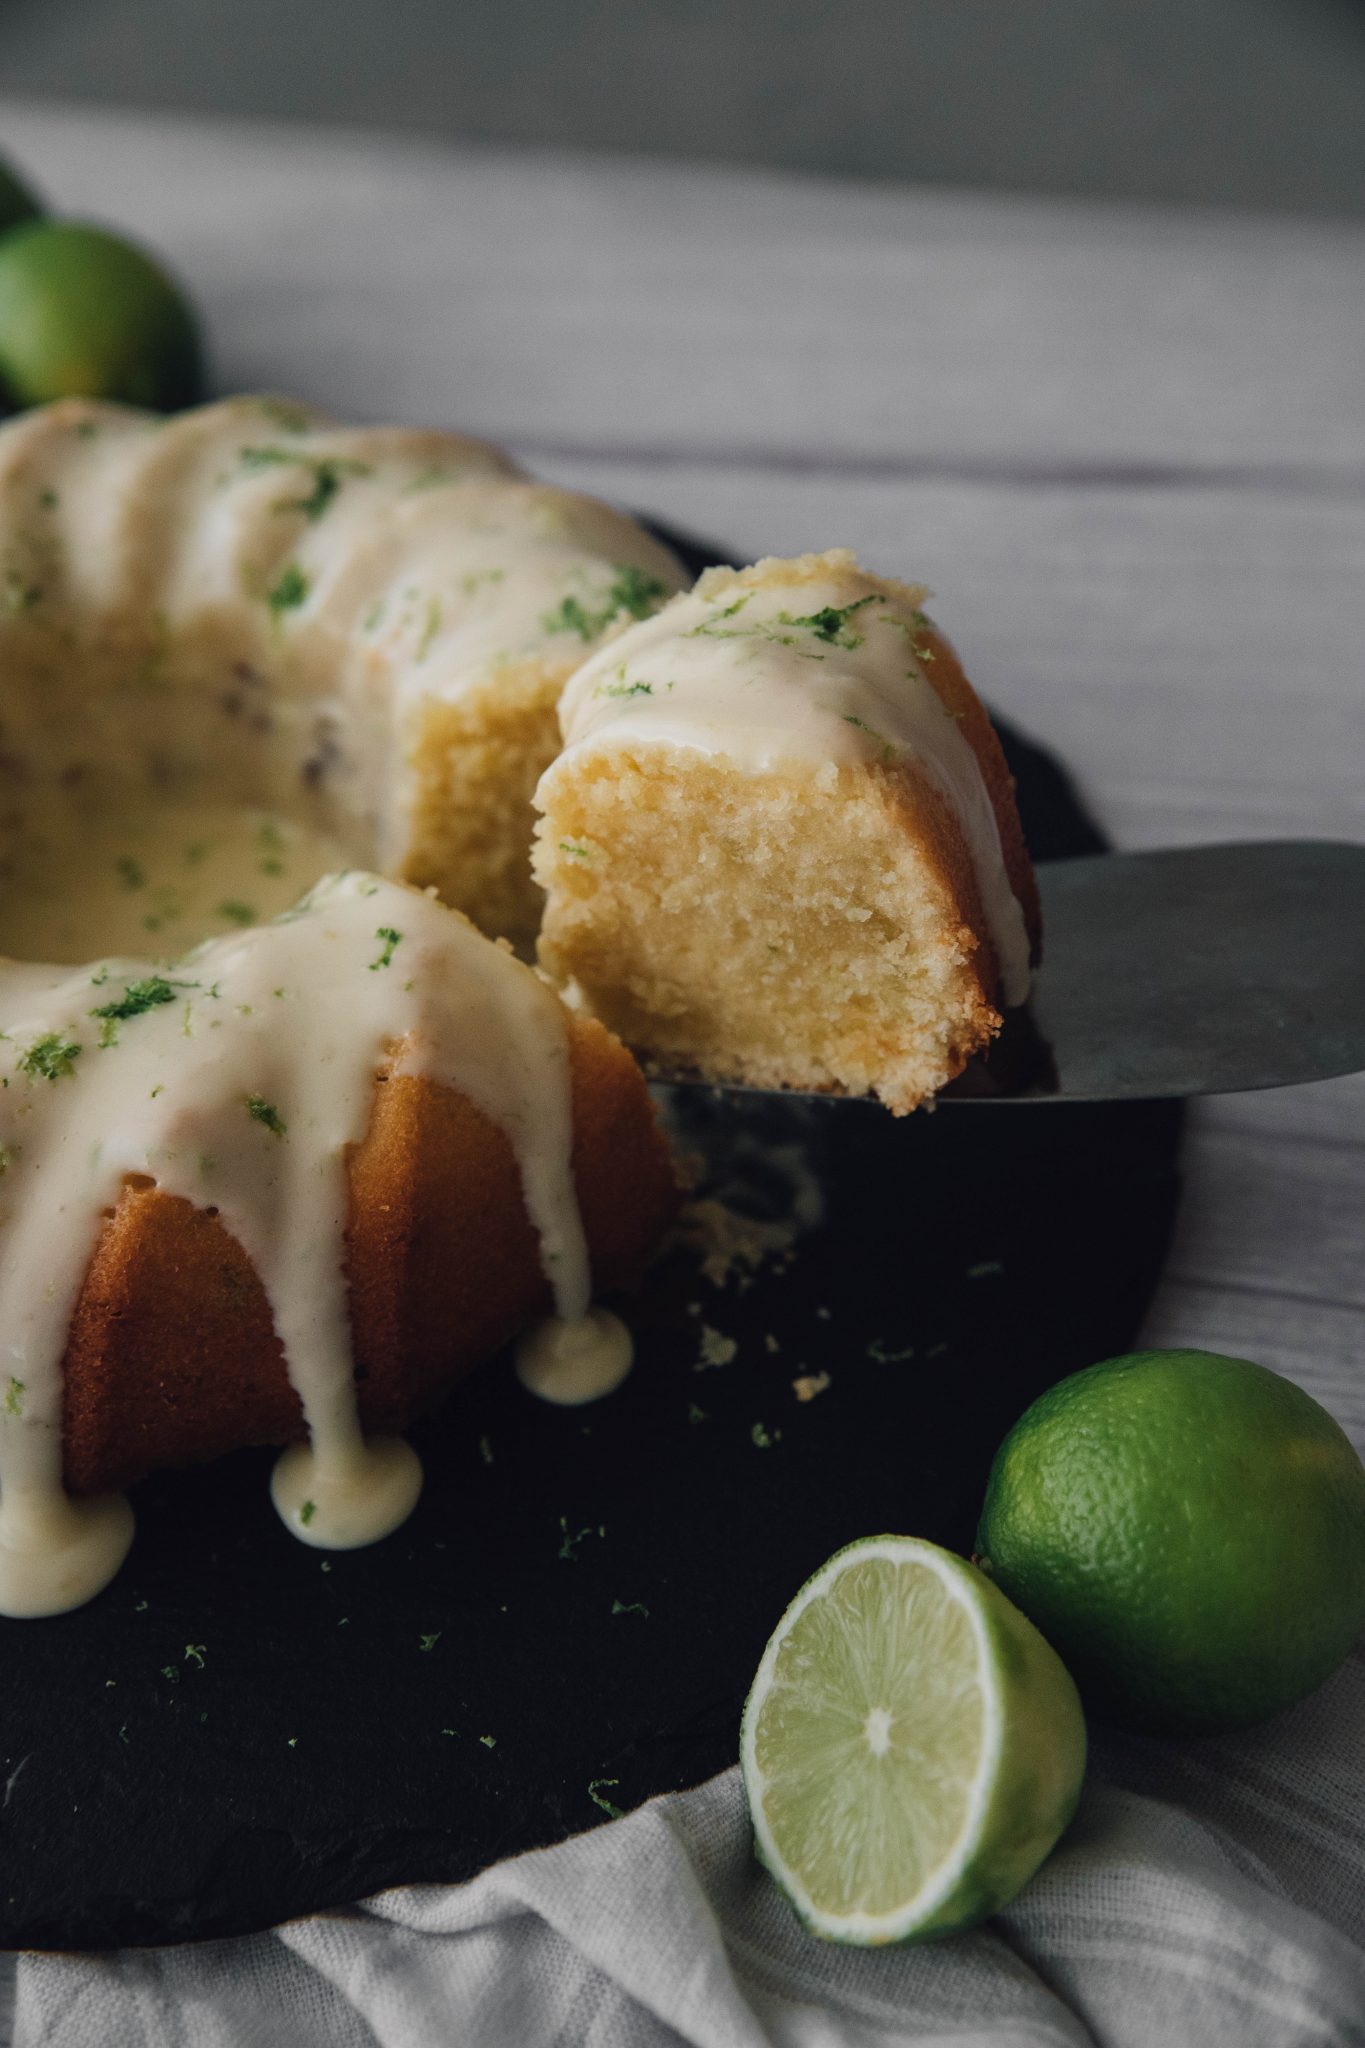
(84, 314)
(17, 202)
(1187, 1531)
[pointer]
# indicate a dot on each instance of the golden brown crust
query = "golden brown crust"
(173, 1359)
(926, 819)
(946, 675)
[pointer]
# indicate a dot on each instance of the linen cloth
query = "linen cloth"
(1126, 449)
(1207, 1895)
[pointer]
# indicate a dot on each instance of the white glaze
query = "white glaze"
(570, 1363)
(55, 1553)
(735, 668)
(352, 1499)
(156, 879)
(243, 1089)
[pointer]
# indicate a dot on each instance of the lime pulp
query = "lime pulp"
(911, 1747)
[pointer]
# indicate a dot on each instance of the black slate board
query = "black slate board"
(241, 1729)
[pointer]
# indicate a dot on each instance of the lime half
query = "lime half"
(911, 1746)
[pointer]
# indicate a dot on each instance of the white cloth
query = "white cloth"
(1208, 1895)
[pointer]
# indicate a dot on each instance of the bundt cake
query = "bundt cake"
(281, 1157)
(780, 845)
(247, 629)
(288, 1184)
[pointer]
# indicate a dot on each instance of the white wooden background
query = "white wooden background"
(1127, 450)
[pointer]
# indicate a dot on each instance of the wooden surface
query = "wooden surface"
(1126, 450)
(1253, 102)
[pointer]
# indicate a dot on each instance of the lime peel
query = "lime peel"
(911, 1747)
(1188, 1530)
(86, 314)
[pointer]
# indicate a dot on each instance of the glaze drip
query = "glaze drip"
(570, 1363)
(238, 1077)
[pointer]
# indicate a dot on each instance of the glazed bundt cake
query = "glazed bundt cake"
(245, 630)
(279, 1157)
(288, 1184)
(780, 845)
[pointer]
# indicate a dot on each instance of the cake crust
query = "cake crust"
(949, 681)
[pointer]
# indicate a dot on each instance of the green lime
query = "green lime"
(17, 202)
(911, 1747)
(83, 314)
(1188, 1532)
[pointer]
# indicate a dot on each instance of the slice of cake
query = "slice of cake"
(781, 845)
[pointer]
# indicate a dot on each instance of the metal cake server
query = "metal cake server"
(1202, 970)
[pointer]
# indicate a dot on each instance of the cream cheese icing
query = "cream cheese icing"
(767, 673)
(239, 1076)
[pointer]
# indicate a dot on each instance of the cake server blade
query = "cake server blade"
(1201, 970)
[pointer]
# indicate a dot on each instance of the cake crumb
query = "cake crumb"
(716, 1348)
(732, 1247)
(770, 1343)
(809, 1384)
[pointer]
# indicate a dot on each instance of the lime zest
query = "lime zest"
(612, 1811)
